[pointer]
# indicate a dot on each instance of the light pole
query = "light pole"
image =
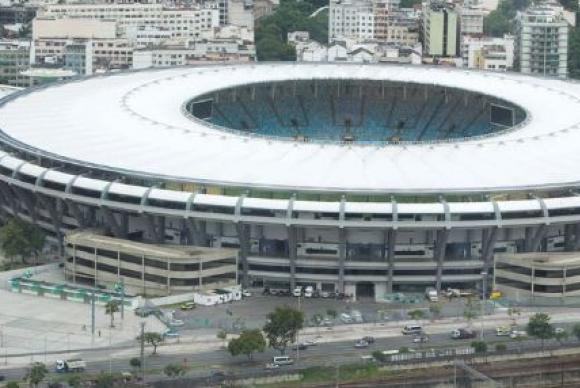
(484, 285)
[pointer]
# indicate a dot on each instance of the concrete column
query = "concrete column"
(538, 238)
(341, 258)
(440, 247)
(124, 226)
(244, 237)
(577, 237)
(392, 240)
(468, 242)
(161, 229)
(564, 282)
(529, 236)
(76, 212)
(488, 249)
(292, 253)
(112, 222)
(118, 265)
(568, 237)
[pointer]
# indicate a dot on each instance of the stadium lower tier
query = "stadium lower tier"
(362, 260)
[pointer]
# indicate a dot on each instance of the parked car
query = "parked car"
(420, 339)
(300, 346)
(412, 329)
(170, 333)
(187, 306)
(282, 360)
(271, 365)
(144, 312)
(324, 294)
(518, 334)
(345, 318)
(246, 293)
(310, 342)
(369, 339)
(361, 344)
(503, 331)
(559, 330)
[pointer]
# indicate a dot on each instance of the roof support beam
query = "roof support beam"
(112, 222)
(440, 248)
(244, 238)
(392, 241)
(341, 257)
(292, 254)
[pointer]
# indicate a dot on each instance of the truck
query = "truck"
(457, 293)
(72, 365)
(462, 334)
(431, 294)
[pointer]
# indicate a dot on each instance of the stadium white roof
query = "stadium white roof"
(134, 121)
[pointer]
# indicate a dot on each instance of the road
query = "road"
(330, 353)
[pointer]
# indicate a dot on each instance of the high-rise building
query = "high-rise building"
(542, 44)
(487, 53)
(440, 30)
(14, 59)
(471, 21)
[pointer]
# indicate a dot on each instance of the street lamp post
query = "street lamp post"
(484, 285)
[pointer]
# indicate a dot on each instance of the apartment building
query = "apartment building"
(542, 41)
(14, 59)
(440, 30)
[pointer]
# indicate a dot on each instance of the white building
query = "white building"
(487, 53)
(543, 41)
(146, 35)
(471, 21)
(53, 27)
(351, 19)
(181, 22)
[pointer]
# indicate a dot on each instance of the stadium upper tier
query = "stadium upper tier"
(137, 124)
(356, 111)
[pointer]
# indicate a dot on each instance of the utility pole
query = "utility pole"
(93, 314)
(483, 301)
(122, 298)
(142, 352)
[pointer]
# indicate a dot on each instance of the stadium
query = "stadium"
(362, 179)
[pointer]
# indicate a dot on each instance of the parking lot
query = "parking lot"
(251, 311)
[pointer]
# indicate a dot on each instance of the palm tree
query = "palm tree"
(111, 308)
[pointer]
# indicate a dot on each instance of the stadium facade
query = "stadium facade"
(418, 177)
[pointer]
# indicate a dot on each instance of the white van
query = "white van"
(282, 360)
(297, 291)
(412, 329)
(308, 292)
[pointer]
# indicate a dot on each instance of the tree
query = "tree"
(152, 338)
(416, 314)
(435, 310)
(539, 326)
(135, 363)
(20, 239)
(111, 308)
(222, 335)
(403, 350)
(479, 347)
(561, 336)
(332, 314)
(74, 381)
(174, 370)
(105, 380)
(248, 343)
(469, 312)
(36, 374)
(576, 331)
(379, 356)
(514, 313)
(500, 347)
(282, 326)
(12, 384)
